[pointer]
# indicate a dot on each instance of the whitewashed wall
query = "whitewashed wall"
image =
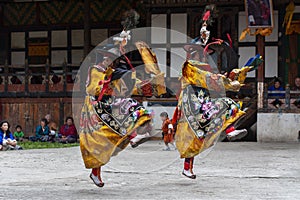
(278, 127)
(157, 110)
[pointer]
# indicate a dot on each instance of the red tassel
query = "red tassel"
(230, 40)
(105, 86)
(217, 41)
(206, 16)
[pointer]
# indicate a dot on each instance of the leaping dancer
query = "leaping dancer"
(201, 118)
(110, 118)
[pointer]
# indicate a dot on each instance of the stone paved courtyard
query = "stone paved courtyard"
(229, 171)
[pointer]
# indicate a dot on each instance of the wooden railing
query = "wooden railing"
(286, 101)
(39, 80)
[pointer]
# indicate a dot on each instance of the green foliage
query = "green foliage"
(45, 145)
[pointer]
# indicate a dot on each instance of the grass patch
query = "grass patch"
(45, 145)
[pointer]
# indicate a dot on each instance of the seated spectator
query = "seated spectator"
(297, 84)
(7, 140)
(18, 134)
(297, 88)
(42, 132)
(68, 131)
(53, 128)
(51, 124)
(276, 87)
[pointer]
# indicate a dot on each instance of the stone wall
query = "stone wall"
(278, 127)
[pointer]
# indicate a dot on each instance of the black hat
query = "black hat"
(108, 50)
(194, 46)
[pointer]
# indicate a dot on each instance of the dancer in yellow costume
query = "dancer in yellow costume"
(203, 113)
(201, 118)
(110, 119)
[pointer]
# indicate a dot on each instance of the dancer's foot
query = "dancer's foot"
(237, 134)
(139, 139)
(188, 174)
(174, 146)
(96, 180)
(134, 144)
(167, 149)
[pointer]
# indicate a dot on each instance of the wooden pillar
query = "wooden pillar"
(38, 13)
(26, 77)
(287, 97)
(293, 65)
(61, 112)
(65, 75)
(47, 66)
(168, 72)
(260, 72)
(6, 71)
(1, 14)
(87, 28)
(265, 96)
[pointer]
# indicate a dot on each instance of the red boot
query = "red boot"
(96, 177)
(188, 168)
(233, 134)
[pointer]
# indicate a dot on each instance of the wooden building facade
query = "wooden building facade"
(60, 33)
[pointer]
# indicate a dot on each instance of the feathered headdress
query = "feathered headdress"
(207, 19)
(129, 21)
(209, 13)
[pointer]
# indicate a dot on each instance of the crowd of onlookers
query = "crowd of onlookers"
(46, 131)
(278, 91)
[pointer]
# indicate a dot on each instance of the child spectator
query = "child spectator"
(276, 87)
(68, 131)
(42, 132)
(167, 129)
(7, 140)
(18, 134)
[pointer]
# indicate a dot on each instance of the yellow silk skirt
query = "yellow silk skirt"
(98, 142)
(189, 145)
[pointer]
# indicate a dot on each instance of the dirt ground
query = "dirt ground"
(229, 171)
